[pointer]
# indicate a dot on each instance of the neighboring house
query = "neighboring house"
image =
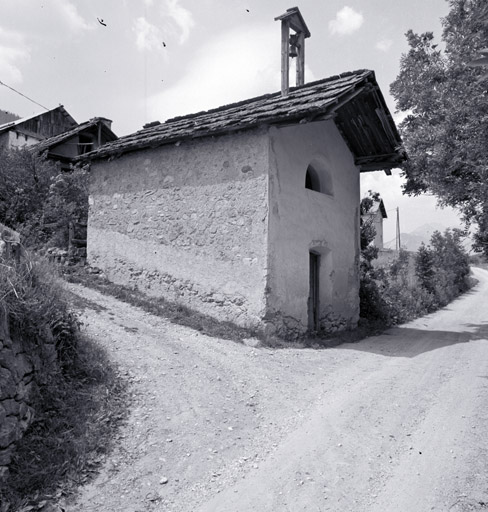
(250, 212)
(31, 130)
(376, 214)
(85, 137)
(57, 134)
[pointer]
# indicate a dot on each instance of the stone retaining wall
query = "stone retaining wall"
(19, 362)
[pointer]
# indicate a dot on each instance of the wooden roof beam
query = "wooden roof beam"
(295, 20)
(379, 166)
(362, 160)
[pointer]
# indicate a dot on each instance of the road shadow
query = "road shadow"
(411, 342)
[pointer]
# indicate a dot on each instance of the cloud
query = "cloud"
(13, 52)
(384, 45)
(71, 16)
(234, 66)
(148, 37)
(178, 15)
(346, 22)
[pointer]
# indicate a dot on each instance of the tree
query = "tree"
(371, 304)
(446, 128)
(38, 199)
(450, 257)
(424, 268)
(25, 179)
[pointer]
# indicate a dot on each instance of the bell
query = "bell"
(293, 45)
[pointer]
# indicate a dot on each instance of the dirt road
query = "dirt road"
(398, 422)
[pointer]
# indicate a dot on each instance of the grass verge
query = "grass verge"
(210, 326)
(77, 413)
(159, 306)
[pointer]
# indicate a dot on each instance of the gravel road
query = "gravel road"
(397, 422)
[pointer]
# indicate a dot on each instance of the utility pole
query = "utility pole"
(398, 241)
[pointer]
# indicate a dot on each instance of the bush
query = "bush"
(39, 200)
(411, 286)
(79, 400)
(38, 311)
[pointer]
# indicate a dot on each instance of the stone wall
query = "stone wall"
(187, 222)
(18, 363)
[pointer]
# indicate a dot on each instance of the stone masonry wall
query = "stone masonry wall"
(18, 364)
(187, 222)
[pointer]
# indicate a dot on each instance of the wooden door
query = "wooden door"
(313, 299)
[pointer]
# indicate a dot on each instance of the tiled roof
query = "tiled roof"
(58, 139)
(305, 102)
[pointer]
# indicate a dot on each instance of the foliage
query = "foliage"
(78, 403)
(446, 102)
(25, 179)
(450, 267)
(410, 285)
(66, 202)
(370, 301)
(76, 416)
(37, 309)
(38, 199)
(424, 268)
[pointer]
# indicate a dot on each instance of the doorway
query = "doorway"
(313, 298)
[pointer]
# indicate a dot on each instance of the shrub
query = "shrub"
(410, 286)
(39, 200)
(424, 268)
(371, 304)
(38, 312)
(79, 400)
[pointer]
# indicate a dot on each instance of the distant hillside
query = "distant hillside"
(412, 241)
(7, 117)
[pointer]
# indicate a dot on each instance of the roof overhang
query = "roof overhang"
(352, 100)
(369, 130)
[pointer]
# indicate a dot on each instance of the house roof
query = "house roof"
(51, 142)
(295, 18)
(379, 206)
(12, 124)
(352, 99)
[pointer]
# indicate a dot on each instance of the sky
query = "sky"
(136, 61)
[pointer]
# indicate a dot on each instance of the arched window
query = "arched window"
(312, 180)
(318, 178)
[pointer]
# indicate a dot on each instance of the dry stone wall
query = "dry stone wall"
(187, 222)
(19, 362)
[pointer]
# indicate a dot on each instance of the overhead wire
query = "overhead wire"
(23, 95)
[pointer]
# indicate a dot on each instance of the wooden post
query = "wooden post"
(292, 19)
(399, 242)
(301, 59)
(99, 134)
(285, 57)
